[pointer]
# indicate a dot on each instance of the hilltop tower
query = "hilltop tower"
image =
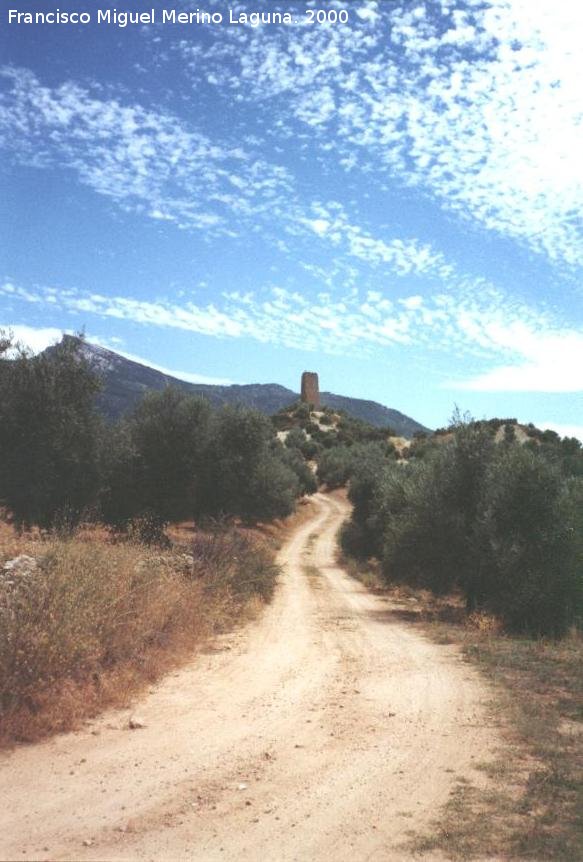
(311, 389)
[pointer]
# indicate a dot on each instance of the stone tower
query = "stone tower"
(310, 389)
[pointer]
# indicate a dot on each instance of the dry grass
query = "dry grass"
(531, 805)
(272, 533)
(97, 620)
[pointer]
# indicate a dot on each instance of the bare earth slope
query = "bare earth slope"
(325, 730)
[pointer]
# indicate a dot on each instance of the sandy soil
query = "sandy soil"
(325, 730)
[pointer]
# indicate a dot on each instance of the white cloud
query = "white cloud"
(477, 103)
(149, 162)
(331, 222)
(545, 360)
(320, 226)
(523, 348)
(155, 165)
(36, 339)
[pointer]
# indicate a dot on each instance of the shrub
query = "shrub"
(173, 459)
(49, 436)
(244, 476)
(338, 464)
(169, 433)
(121, 496)
(500, 523)
(334, 467)
(272, 490)
(370, 471)
(92, 607)
(423, 537)
(302, 412)
(311, 449)
(147, 529)
(296, 438)
(312, 428)
(529, 532)
(228, 560)
(294, 460)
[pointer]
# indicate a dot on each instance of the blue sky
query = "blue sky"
(394, 202)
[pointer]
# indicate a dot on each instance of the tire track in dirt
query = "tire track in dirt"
(327, 729)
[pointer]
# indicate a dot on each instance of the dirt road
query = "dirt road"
(325, 730)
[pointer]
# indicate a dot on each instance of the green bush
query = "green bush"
(174, 459)
(296, 438)
(246, 475)
(529, 529)
(294, 460)
(362, 536)
(302, 412)
(338, 464)
(49, 436)
(272, 490)
(155, 461)
(170, 433)
(424, 541)
(334, 467)
(503, 524)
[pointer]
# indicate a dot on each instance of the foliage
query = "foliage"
(337, 465)
(120, 496)
(296, 438)
(294, 459)
(228, 560)
(172, 458)
(339, 429)
(530, 521)
(92, 607)
(154, 460)
(244, 476)
(49, 435)
(502, 523)
(272, 490)
(170, 434)
(362, 535)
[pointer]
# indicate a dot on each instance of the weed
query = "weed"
(95, 619)
(531, 805)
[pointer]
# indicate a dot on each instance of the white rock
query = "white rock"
(22, 565)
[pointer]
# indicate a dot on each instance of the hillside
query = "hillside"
(125, 382)
(373, 413)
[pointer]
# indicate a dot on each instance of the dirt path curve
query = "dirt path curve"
(325, 730)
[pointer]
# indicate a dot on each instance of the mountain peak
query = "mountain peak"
(125, 382)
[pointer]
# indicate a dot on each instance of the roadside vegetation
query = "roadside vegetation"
(95, 597)
(500, 523)
(86, 621)
(478, 539)
(529, 804)
(333, 440)
(172, 458)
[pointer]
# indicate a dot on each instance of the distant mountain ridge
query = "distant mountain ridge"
(125, 382)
